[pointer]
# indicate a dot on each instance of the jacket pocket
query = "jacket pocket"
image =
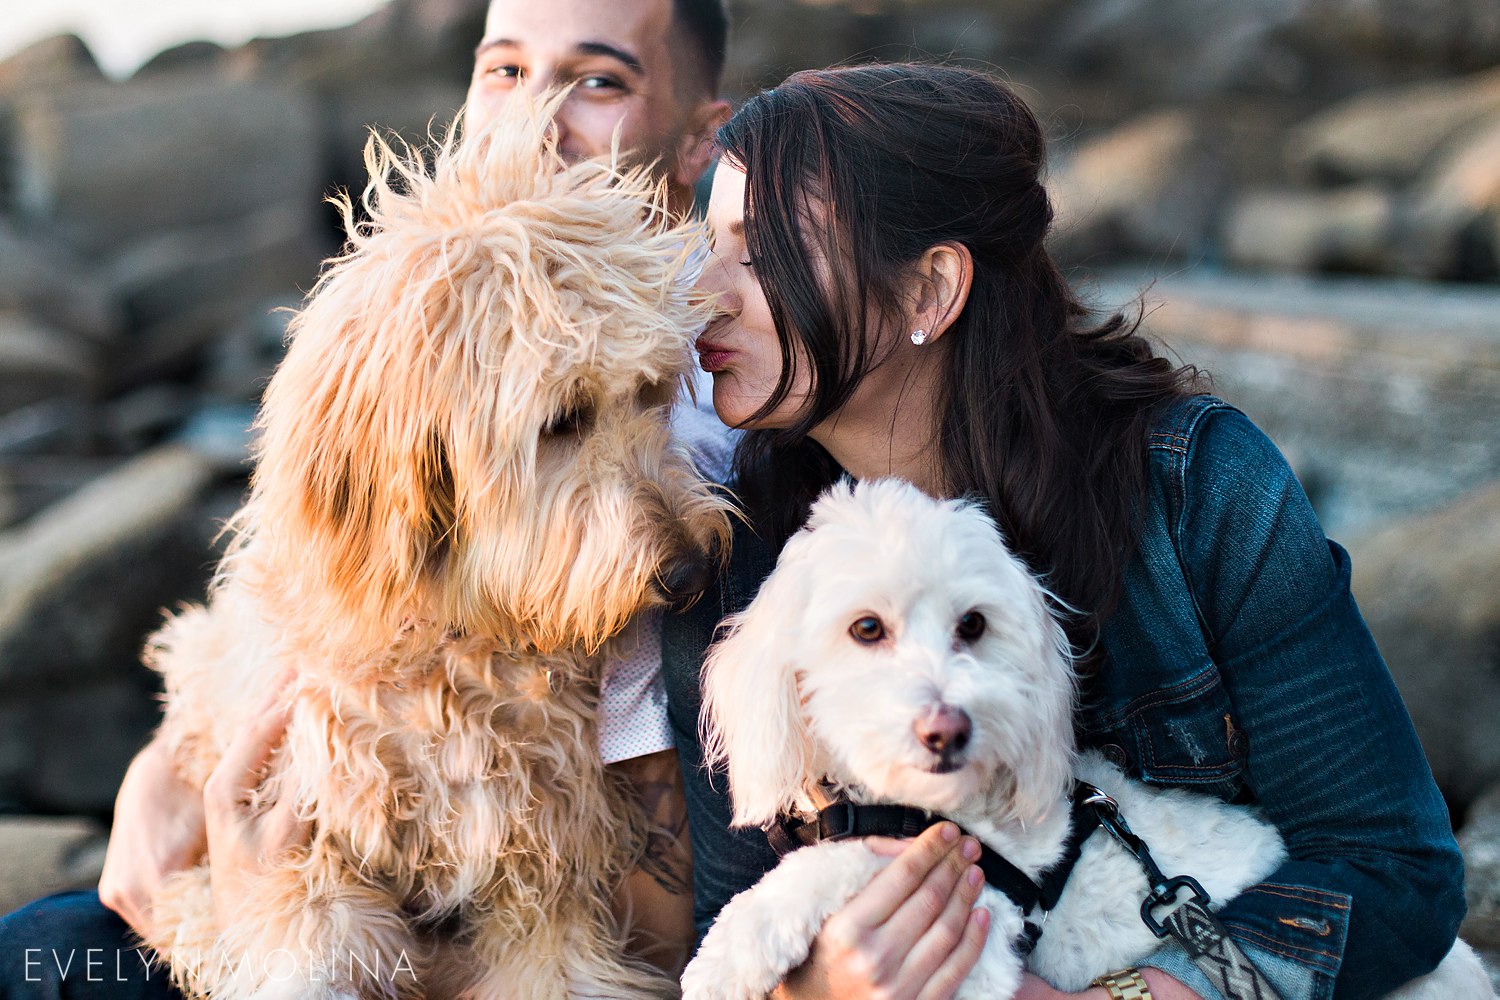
(1183, 735)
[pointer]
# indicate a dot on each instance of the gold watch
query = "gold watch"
(1126, 984)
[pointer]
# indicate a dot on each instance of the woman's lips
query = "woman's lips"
(712, 357)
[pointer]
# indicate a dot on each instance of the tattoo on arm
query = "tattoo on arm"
(666, 858)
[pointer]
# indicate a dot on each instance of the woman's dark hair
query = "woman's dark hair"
(1044, 413)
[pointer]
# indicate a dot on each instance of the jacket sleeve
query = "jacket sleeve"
(1372, 892)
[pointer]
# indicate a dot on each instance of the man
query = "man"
(644, 73)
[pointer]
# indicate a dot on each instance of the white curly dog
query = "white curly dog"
(901, 654)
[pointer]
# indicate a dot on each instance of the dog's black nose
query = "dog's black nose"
(944, 729)
(685, 577)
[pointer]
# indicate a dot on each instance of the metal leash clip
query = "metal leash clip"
(1163, 890)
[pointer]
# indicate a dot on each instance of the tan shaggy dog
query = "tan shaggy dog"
(464, 487)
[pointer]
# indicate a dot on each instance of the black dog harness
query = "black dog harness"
(1034, 898)
(1190, 923)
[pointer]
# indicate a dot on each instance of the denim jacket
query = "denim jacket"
(1236, 664)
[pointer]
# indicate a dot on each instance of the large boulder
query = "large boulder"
(107, 164)
(1429, 588)
(38, 362)
(1390, 134)
(1385, 393)
(1480, 840)
(1348, 229)
(44, 280)
(1147, 187)
(184, 287)
(411, 41)
(47, 855)
(82, 582)
(1451, 225)
(47, 64)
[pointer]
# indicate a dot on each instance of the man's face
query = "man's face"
(618, 54)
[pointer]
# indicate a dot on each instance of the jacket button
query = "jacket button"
(1114, 753)
(1239, 745)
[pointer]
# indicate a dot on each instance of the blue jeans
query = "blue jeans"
(70, 946)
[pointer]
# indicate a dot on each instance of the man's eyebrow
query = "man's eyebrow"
(612, 52)
(737, 227)
(491, 43)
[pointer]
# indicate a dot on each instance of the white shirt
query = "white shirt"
(633, 699)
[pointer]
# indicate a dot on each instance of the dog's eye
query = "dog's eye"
(970, 626)
(574, 418)
(868, 629)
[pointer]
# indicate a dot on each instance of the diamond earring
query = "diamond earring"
(919, 337)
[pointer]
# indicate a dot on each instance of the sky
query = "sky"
(125, 33)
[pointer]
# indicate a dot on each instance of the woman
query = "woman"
(891, 310)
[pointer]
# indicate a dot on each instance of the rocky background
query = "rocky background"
(1302, 197)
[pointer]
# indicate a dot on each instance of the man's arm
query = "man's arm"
(656, 900)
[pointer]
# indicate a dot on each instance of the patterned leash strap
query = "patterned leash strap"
(1199, 932)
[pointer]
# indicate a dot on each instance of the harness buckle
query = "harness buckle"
(1165, 894)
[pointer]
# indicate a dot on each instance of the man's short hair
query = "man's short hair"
(705, 23)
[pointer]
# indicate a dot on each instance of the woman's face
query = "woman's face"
(739, 348)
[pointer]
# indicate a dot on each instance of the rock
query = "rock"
(47, 855)
(223, 435)
(242, 359)
(45, 765)
(1480, 840)
(84, 581)
(1346, 229)
(218, 150)
(53, 426)
(1434, 608)
(44, 280)
(1450, 228)
(36, 482)
(1145, 187)
(1390, 134)
(195, 56)
(1386, 391)
(413, 111)
(1422, 36)
(183, 288)
(48, 64)
(146, 415)
(39, 363)
(413, 41)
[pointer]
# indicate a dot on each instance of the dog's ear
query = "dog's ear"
(1048, 744)
(752, 718)
(355, 475)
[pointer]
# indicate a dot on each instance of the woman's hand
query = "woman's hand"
(911, 934)
(245, 839)
(158, 830)
(1162, 986)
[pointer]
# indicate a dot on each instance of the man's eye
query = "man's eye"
(600, 82)
(508, 72)
(748, 263)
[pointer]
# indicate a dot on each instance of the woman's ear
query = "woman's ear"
(941, 279)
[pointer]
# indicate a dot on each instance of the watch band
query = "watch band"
(1126, 984)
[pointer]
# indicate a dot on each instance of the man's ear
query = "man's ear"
(941, 282)
(695, 146)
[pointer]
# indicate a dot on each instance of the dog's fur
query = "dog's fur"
(464, 488)
(797, 708)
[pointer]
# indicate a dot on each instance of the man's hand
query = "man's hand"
(158, 830)
(911, 934)
(245, 839)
